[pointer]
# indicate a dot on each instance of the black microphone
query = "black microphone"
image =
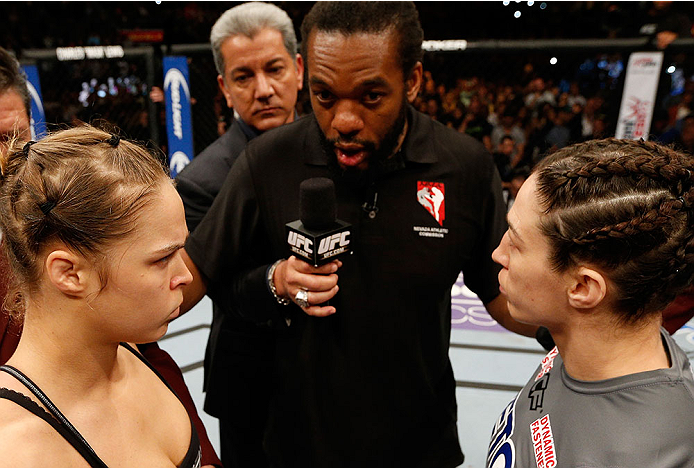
(318, 237)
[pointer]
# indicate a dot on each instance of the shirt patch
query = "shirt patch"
(426, 231)
(537, 393)
(547, 363)
(431, 195)
(543, 443)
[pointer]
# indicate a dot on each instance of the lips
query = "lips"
(501, 288)
(350, 156)
(176, 312)
(267, 110)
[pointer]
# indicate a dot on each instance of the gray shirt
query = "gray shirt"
(638, 420)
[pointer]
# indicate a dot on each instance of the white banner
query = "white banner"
(638, 100)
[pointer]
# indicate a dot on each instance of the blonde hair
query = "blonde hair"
(82, 187)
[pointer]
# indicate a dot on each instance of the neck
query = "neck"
(60, 351)
(604, 349)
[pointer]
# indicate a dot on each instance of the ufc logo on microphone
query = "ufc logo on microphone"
(295, 239)
(329, 243)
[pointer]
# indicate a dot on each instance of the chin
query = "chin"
(269, 123)
(159, 334)
(520, 316)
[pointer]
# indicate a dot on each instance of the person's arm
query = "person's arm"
(196, 200)
(482, 272)
(498, 309)
(196, 289)
(229, 254)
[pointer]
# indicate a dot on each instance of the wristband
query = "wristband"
(271, 283)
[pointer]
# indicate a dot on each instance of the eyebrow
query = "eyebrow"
(170, 248)
(513, 229)
(371, 83)
(269, 63)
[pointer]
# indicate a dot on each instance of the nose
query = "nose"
(183, 275)
(500, 254)
(346, 120)
(263, 87)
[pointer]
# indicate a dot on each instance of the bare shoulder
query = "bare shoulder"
(28, 441)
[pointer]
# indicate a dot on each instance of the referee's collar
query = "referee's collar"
(418, 146)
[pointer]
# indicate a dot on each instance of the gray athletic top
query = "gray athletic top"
(638, 420)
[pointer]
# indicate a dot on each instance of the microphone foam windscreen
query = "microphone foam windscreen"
(317, 202)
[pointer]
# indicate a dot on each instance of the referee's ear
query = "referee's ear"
(414, 82)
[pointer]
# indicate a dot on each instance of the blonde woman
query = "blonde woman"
(93, 228)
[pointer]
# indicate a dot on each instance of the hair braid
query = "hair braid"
(649, 221)
(625, 206)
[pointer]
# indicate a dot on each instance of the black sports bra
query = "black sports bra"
(60, 423)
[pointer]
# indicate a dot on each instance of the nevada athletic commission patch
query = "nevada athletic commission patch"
(432, 196)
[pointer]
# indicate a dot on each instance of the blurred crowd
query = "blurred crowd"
(518, 106)
(101, 23)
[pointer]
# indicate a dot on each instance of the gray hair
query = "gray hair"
(248, 19)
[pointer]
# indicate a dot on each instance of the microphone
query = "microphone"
(318, 237)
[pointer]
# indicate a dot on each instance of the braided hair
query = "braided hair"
(81, 187)
(625, 207)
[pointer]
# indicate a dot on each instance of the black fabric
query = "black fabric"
(371, 385)
(61, 424)
(200, 181)
(30, 405)
(239, 355)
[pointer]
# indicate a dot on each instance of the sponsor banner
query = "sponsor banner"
(89, 53)
(638, 99)
(142, 35)
(38, 116)
(179, 124)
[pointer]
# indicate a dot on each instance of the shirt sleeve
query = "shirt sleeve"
(481, 273)
(231, 249)
(196, 200)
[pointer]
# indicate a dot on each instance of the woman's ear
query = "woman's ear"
(588, 289)
(68, 272)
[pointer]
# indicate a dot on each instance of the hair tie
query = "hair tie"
(27, 146)
(46, 207)
(114, 140)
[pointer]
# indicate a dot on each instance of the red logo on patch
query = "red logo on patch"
(431, 195)
(543, 443)
(547, 363)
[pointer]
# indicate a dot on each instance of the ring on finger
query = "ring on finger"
(301, 298)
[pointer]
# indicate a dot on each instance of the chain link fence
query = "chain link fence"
(499, 73)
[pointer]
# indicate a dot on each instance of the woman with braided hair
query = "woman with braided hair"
(600, 240)
(92, 228)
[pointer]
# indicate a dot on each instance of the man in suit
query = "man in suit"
(260, 74)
